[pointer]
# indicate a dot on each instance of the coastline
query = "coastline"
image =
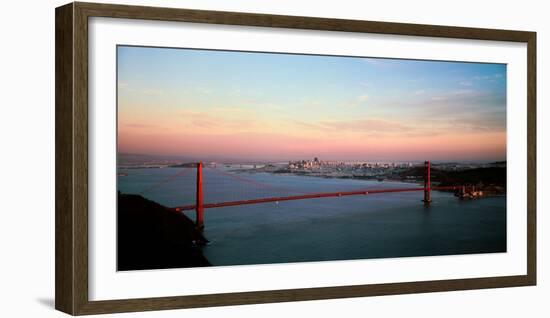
(478, 179)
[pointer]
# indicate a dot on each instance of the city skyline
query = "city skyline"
(269, 106)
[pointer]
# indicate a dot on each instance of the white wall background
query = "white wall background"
(27, 158)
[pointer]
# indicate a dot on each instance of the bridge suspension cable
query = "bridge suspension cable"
(169, 179)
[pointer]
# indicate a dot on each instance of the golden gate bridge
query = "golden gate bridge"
(200, 205)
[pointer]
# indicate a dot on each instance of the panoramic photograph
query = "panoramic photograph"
(244, 158)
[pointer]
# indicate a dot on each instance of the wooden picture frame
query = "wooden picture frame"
(71, 89)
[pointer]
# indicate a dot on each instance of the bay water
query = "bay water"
(342, 228)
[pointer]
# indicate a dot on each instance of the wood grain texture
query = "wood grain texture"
(72, 157)
(297, 22)
(80, 147)
(165, 303)
(532, 158)
(64, 235)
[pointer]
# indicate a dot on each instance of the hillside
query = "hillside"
(153, 237)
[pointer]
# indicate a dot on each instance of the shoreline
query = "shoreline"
(489, 190)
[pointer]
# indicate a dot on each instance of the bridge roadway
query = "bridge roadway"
(308, 196)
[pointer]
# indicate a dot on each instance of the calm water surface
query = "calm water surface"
(353, 227)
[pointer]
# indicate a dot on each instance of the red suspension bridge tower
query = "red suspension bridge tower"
(199, 207)
(427, 184)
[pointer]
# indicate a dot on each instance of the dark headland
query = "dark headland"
(152, 237)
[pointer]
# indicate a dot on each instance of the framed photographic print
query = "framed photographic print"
(211, 158)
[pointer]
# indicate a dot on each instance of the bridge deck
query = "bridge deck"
(308, 196)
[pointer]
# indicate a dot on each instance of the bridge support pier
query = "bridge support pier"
(199, 207)
(427, 184)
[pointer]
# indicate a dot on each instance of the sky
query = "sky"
(225, 105)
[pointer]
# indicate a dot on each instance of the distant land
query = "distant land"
(488, 176)
(139, 159)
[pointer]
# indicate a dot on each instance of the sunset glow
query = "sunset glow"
(220, 105)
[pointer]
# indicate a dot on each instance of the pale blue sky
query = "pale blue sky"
(425, 96)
